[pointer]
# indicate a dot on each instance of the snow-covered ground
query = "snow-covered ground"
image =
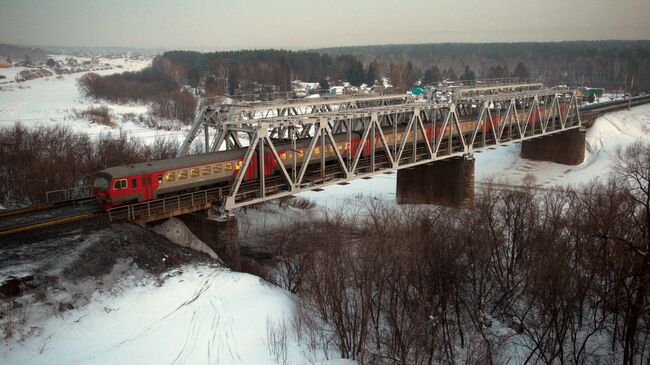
(198, 315)
(53, 100)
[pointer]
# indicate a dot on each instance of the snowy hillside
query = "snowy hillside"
(202, 315)
(71, 311)
(55, 99)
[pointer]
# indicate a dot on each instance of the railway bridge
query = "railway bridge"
(295, 146)
(289, 147)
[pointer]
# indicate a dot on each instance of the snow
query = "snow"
(195, 314)
(610, 132)
(198, 315)
(607, 97)
(175, 231)
(53, 101)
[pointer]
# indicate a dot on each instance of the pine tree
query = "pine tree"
(468, 75)
(323, 84)
(431, 75)
(521, 71)
(371, 74)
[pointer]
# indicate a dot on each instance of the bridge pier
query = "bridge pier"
(567, 148)
(448, 182)
(222, 236)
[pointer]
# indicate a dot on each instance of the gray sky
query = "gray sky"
(203, 24)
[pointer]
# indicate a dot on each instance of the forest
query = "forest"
(618, 65)
(525, 277)
(608, 64)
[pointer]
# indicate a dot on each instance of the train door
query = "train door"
(147, 193)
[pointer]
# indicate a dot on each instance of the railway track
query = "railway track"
(589, 113)
(45, 215)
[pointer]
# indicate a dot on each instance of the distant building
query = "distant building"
(587, 92)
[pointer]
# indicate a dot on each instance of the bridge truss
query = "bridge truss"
(386, 133)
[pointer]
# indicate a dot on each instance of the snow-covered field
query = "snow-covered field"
(54, 99)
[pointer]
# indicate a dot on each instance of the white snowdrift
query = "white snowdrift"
(174, 230)
(198, 316)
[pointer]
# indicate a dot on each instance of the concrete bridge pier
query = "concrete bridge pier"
(567, 147)
(448, 182)
(222, 236)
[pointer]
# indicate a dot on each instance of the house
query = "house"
(588, 92)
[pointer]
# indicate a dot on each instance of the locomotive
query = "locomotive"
(157, 179)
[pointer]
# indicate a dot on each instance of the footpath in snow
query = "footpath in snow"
(198, 315)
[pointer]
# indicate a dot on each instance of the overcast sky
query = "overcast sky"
(204, 24)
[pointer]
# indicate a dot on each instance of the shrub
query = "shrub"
(146, 85)
(36, 160)
(99, 115)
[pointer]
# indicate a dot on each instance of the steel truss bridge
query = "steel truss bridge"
(396, 131)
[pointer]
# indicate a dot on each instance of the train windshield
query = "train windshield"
(101, 182)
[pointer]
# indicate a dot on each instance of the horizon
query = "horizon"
(208, 50)
(201, 24)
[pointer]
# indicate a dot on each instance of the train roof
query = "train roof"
(172, 163)
(202, 159)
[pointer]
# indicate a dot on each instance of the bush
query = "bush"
(36, 160)
(146, 85)
(99, 115)
(179, 105)
(523, 277)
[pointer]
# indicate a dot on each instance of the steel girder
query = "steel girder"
(521, 117)
(460, 127)
(209, 115)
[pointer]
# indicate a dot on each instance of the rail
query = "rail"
(6, 231)
(167, 207)
(62, 195)
(590, 113)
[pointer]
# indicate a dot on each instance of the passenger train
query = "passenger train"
(152, 180)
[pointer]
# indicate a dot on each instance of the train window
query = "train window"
(194, 172)
(119, 184)
(283, 156)
(206, 170)
(159, 179)
(170, 176)
(216, 168)
(102, 183)
(289, 155)
(316, 151)
(134, 183)
(227, 166)
(182, 174)
(238, 164)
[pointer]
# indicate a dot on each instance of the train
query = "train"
(147, 181)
